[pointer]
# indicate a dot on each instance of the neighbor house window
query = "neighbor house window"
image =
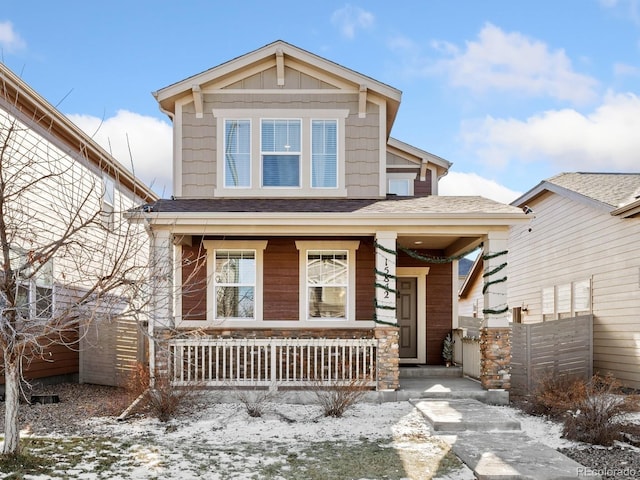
(237, 153)
(327, 280)
(108, 201)
(280, 152)
(235, 284)
(34, 297)
(324, 153)
(327, 283)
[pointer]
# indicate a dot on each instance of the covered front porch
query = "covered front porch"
(390, 301)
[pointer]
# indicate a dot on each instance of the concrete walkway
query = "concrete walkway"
(490, 442)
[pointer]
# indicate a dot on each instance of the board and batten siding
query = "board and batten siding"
(569, 241)
(362, 146)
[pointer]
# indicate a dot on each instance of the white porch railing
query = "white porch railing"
(467, 353)
(272, 362)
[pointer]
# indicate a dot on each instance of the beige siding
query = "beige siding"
(361, 138)
(396, 160)
(294, 79)
(570, 241)
(198, 153)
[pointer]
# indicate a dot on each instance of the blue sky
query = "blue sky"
(510, 92)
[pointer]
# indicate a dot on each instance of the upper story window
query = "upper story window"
(280, 152)
(401, 184)
(237, 153)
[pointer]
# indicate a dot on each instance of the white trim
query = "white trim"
(382, 145)
(177, 148)
(420, 274)
(210, 246)
(255, 117)
(350, 246)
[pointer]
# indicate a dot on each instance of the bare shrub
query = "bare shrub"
(597, 418)
(555, 395)
(255, 400)
(336, 396)
(138, 381)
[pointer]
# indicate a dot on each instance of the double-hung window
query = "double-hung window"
(237, 153)
(324, 153)
(280, 152)
(235, 284)
(327, 283)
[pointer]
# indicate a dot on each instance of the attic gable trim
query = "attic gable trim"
(419, 153)
(197, 100)
(546, 186)
(292, 55)
(629, 210)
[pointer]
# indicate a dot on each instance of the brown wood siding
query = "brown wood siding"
(281, 280)
(439, 303)
(194, 282)
(365, 280)
(60, 360)
(422, 188)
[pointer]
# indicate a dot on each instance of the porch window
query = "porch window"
(324, 153)
(327, 284)
(328, 280)
(235, 284)
(280, 152)
(237, 153)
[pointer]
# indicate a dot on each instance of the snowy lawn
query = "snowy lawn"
(221, 441)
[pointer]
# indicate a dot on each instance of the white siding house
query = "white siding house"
(71, 174)
(580, 254)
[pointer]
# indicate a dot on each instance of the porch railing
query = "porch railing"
(272, 362)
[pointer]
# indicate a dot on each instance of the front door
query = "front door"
(406, 310)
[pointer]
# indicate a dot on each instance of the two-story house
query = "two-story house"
(303, 242)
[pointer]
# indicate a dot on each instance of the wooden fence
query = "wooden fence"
(272, 362)
(558, 347)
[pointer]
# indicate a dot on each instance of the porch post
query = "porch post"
(495, 334)
(161, 302)
(386, 330)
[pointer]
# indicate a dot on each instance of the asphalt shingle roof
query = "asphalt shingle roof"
(425, 205)
(615, 189)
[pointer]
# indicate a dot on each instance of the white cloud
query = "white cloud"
(132, 138)
(606, 139)
(10, 41)
(514, 62)
(348, 19)
(463, 184)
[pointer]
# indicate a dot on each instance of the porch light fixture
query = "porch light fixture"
(418, 242)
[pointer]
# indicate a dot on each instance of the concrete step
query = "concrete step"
(468, 414)
(429, 371)
(514, 455)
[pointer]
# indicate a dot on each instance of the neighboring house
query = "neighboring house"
(579, 254)
(297, 221)
(471, 299)
(59, 147)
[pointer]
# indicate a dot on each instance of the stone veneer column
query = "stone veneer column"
(495, 335)
(161, 304)
(386, 331)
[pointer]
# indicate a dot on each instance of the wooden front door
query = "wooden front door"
(406, 309)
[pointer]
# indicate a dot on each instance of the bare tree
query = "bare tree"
(68, 256)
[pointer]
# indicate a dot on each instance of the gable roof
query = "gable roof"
(606, 191)
(265, 57)
(20, 100)
(441, 164)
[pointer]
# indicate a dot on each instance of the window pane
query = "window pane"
(44, 302)
(22, 301)
(234, 279)
(548, 300)
(327, 302)
(281, 136)
(399, 187)
(281, 171)
(564, 298)
(237, 169)
(234, 302)
(581, 296)
(235, 267)
(327, 283)
(324, 156)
